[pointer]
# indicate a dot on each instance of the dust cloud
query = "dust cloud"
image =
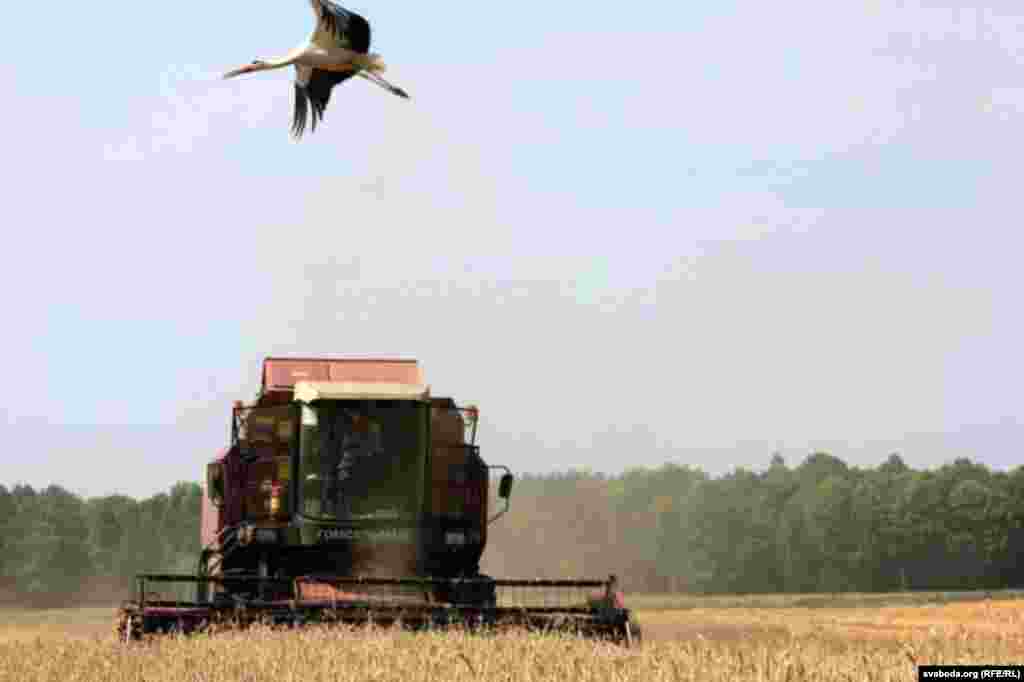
(91, 592)
(555, 533)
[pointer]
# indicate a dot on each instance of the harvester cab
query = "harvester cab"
(349, 493)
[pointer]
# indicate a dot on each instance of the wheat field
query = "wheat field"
(701, 643)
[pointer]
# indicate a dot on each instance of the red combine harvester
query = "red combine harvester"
(351, 495)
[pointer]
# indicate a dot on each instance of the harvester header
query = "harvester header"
(349, 493)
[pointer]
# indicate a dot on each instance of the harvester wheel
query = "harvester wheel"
(128, 627)
(634, 633)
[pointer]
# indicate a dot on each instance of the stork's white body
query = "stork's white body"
(329, 58)
(326, 57)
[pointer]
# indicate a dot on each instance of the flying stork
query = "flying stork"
(336, 50)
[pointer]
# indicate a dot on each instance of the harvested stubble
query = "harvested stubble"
(319, 654)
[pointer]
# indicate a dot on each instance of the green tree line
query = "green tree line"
(822, 526)
(819, 526)
(54, 544)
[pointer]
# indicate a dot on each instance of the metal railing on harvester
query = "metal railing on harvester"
(474, 603)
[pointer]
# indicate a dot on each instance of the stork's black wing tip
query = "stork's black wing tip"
(301, 110)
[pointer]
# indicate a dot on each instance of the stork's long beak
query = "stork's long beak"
(248, 68)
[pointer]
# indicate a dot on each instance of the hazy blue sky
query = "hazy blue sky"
(632, 233)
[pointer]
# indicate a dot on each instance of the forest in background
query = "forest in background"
(821, 526)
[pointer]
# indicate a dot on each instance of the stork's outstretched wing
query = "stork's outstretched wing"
(339, 27)
(336, 27)
(312, 94)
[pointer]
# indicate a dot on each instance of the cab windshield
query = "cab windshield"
(362, 459)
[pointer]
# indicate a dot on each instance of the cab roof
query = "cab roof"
(281, 375)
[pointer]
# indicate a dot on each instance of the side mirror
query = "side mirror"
(504, 491)
(505, 486)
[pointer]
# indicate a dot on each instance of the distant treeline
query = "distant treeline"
(54, 544)
(821, 526)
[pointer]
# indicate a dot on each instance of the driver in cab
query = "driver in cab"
(362, 440)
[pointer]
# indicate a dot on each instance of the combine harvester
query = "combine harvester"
(351, 495)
